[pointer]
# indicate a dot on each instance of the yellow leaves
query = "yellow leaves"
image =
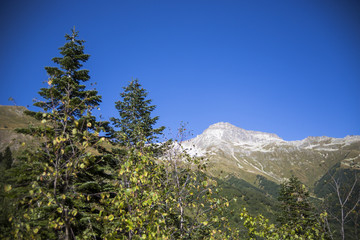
(205, 183)
(82, 165)
(7, 188)
(36, 230)
(74, 212)
(111, 217)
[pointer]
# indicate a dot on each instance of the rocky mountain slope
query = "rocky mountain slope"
(245, 154)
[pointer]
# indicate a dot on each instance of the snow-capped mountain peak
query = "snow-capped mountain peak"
(228, 132)
(224, 133)
(238, 151)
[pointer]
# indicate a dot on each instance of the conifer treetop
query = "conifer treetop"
(135, 123)
(65, 86)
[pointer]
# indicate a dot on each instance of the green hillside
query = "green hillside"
(11, 118)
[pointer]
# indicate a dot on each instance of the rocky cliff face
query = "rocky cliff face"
(245, 154)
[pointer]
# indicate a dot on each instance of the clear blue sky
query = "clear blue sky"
(287, 67)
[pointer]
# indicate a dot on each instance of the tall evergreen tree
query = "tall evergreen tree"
(297, 211)
(135, 123)
(70, 173)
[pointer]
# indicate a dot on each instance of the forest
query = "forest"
(91, 179)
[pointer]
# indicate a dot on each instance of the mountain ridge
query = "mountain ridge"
(242, 152)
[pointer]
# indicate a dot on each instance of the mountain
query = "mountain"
(233, 151)
(245, 154)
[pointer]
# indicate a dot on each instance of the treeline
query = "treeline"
(92, 179)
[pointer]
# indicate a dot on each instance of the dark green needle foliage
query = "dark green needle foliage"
(135, 123)
(67, 92)
(71, 165)
(296, 210)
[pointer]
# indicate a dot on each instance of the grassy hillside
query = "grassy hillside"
(12, 117)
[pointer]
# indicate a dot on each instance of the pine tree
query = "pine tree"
(70, 171)
(135, 124)
(297, 211)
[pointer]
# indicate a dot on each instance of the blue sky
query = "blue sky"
(286, 67)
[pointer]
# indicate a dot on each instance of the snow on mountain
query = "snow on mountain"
(226, 136)
(239, 151)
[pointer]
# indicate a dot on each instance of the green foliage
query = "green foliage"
(191, 204)
(297, 219)
(135, 123)
(296, 209)
(60, 201)
(134, 208)
(161, 198)
(260, 228)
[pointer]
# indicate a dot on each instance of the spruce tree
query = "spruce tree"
(70, 171)
(135, 123)
(296, 209)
